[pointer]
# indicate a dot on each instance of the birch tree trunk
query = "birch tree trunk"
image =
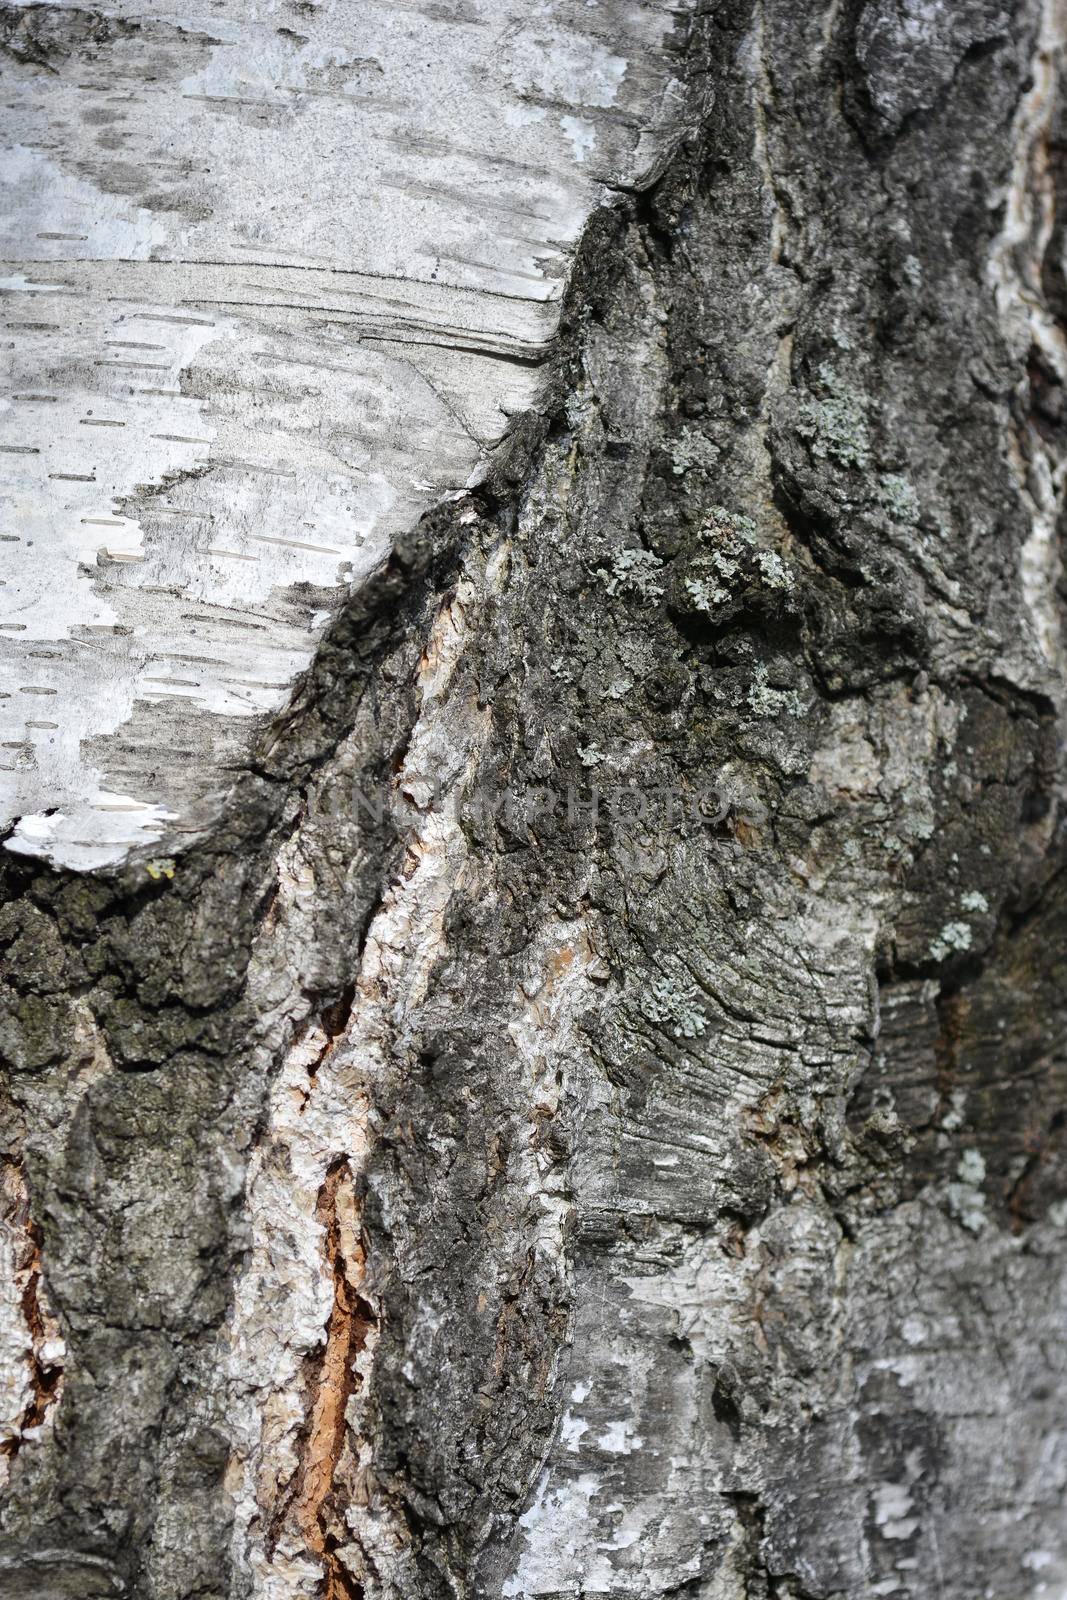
(533, 996)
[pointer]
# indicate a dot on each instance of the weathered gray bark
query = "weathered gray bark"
(498, 1199)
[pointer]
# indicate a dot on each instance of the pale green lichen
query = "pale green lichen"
(721, 526)
(919, 824)
(953, 1118)
(965, 1198)
(577, 407)
(768, 702)
(974, 900)
(634, 572)
(674, 1005)
(971, 1167)
(620, 688)
(705, 595)
(590, 755)
(954, 936)
(692, 449)
(836, 425)
(734, 558)
(897, 497)
(160, 867)
(723, 564)
(773, 568)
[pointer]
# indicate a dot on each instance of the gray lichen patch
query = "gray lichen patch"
(676, 1005)
(953, 936)
(731, 570)
(634, 573)
(898, 497)
(835, 423)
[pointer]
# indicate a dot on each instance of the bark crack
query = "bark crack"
(39, 1335)
(351, 1326)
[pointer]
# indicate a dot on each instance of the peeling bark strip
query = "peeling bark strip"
(31, 1346)
(460, 1203)
(1029, 240)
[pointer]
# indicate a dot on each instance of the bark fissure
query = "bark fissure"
(350, 1328)
(39, 1333)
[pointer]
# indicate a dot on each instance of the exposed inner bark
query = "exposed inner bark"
(41, 1351)
(351, 1321)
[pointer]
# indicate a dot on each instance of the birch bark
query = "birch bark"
(561, 1092)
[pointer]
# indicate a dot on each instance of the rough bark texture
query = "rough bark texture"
(497, 1198)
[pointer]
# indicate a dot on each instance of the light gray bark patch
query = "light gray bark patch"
(58, 1574)
(908, 50)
